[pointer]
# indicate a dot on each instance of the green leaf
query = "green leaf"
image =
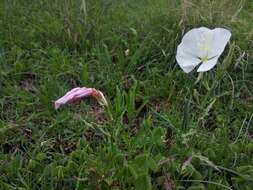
(157, 135)
(197, 187)
(143, 182)
(245, 169)
(249, 148)
(152, 164)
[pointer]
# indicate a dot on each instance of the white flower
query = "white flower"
(201, 45)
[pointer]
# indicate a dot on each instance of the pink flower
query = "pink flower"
(78, 93)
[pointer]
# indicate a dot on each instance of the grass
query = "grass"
(157, 115)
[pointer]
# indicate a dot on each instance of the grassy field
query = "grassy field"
(158, 116)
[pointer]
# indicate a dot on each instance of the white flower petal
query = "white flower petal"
(207, 65)
(186, 61)
(187, 69)
(193, 39)
(221, 37)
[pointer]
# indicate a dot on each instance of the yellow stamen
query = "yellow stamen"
(204, 59)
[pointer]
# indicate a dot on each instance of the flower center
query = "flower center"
(204, 59)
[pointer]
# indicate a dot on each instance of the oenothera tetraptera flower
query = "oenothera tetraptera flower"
(201, 45)
(78, 93)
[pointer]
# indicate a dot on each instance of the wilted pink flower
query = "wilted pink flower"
(78, 93)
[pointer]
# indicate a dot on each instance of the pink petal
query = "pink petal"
(78, 93)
